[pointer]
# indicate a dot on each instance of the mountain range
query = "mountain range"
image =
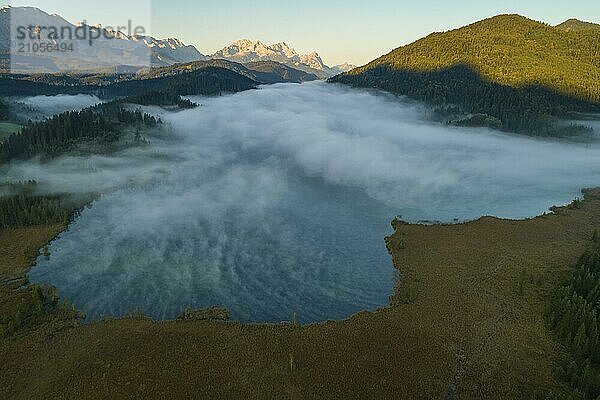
(210, 77)
(244, 51)
(121, 49)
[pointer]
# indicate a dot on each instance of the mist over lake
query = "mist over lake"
(277, 200)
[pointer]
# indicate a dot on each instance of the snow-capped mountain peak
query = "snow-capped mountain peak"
(341, 68)
(141, 50)
(111, 48)
(283, 48)
(245, 50)
(314, 61)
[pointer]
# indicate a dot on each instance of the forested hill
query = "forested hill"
(208, 80)
(512, 50)
(99, 126)
(262, 72)
(509, 55)
(204, 81)
(575, 25)
(196, 78)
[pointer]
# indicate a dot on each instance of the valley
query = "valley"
(256, 223)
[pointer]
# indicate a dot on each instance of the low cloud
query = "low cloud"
(40, 107)
(278, 199)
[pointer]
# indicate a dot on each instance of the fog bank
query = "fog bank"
(40, 107)
(278, 199)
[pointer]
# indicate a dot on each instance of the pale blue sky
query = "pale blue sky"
(352, 30)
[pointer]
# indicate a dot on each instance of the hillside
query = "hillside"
(509, 64)
(274, 72)
(575, 25)
(104, 126)
(262, 72)
(205, 81)
(208, 80)
(158, 86)
(511, 50)
(196, 78)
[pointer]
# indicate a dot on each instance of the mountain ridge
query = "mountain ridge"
(508, 49)
(511, 72)
(207, 77)
(110, 48)
(576, 25)
(246, 50)
(137, 50)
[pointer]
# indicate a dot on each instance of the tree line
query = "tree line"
(157, 98)
(21, 210)
(21, 204)
(62, 132)
(207, 80)
(573, 316)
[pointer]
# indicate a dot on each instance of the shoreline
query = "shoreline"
(391, 240)
(395, 223)
(463, 327)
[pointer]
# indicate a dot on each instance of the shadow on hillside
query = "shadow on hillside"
(532, 110)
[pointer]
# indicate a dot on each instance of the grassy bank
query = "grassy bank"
(465, 322)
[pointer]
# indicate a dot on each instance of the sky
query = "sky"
(355, 31)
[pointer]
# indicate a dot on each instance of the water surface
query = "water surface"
(277, 200)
